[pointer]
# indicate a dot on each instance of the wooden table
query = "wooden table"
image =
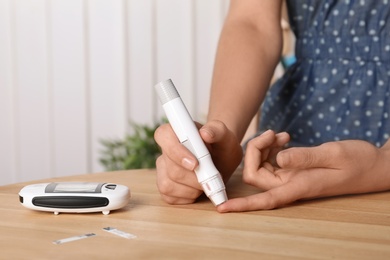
(347, 227)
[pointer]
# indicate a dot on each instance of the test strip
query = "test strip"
(119, 233)
(70, 239)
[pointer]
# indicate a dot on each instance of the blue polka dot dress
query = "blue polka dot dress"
(339, 86)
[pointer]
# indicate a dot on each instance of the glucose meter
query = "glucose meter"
(75, 197)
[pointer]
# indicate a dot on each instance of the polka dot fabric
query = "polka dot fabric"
(339, 87)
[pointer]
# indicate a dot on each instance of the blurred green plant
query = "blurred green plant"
(134, 151)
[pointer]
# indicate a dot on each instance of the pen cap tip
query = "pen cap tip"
(215, 189)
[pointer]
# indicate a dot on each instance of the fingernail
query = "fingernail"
(188, 164)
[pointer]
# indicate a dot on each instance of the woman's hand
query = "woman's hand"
(176, 180)
(334, 168)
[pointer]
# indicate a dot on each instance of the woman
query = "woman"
(331, 106)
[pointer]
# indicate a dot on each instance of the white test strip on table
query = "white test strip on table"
(119, 233)
(70, 239)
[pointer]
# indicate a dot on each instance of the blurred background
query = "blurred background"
(74, 72)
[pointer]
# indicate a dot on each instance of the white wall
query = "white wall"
(75, 71)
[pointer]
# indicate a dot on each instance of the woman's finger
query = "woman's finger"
(270, 199)
(257, 151)
(173, 149)
(324, 155)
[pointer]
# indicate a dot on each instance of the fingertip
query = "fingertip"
(222, 208)
(284, 137)
(207, 133)
(283, 159)
(214, 130)
(233, 205)
(268, 132)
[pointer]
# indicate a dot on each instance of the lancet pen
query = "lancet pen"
(187, 133)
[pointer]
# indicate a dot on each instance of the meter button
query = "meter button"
(110, 186)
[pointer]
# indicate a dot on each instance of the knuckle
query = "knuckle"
(159, 162)
(165, 186)
(337, 151)
(336, 147)
(159, 133)
(164, 183)
(248, 177)
(271, 202)
(169, 200)
(308, 158)
(251, 145)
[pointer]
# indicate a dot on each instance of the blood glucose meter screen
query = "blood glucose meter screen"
(76, 187)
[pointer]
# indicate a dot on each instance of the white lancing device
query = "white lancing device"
(187, 133)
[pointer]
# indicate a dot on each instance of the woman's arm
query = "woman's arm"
(248, 52)
(330, 169)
